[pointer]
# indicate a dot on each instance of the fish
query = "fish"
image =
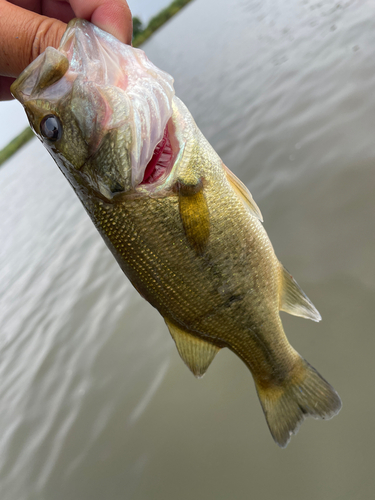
(183, 228)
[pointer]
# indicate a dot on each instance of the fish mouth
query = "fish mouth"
(171, 153)
(125, 80)
(114, 93)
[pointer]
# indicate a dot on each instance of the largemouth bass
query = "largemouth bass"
(183, 228)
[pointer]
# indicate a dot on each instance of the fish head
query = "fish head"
(101, 109)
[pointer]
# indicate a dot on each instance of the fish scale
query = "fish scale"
(191, 240)
(155, 262)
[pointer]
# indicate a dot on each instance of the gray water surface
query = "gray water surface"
(95, 402)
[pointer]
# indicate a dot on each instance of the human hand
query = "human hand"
(28, 27)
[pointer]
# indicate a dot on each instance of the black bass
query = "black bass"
(183, 228)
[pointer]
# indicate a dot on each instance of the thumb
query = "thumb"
(24, 36)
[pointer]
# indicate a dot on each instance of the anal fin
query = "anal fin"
(196, 353)
(294, 301)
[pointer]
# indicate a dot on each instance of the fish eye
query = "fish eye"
(51, 128)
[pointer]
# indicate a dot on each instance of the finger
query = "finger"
(24, 35)
(5, 83)
(113, 16)
(58, 9)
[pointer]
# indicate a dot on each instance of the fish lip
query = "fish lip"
(15, 88)
(19, 82)
(47, 69)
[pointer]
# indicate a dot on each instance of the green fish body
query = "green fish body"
(183, 228)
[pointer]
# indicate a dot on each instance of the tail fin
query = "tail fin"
(304, 394)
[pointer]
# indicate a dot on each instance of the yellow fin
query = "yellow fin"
(195, 352)
(294, 301)
(304, 394)
(194, 215)
(242, 191)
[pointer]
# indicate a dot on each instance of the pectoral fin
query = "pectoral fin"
(194, 215)
(294, 301)
(195, 352)
(243, 193)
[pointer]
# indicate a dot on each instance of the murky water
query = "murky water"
(95, 402)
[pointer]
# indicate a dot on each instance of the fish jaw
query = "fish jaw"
(112, 101)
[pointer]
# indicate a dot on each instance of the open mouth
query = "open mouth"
(161, 162)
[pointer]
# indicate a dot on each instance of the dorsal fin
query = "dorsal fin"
(195, 352)
(242, 191)
(293, 300)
